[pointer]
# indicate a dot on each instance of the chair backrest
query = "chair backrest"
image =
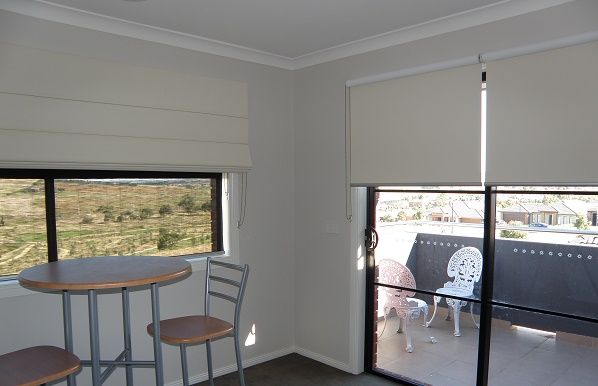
(395, 273)
(226, 282)
(465, 266)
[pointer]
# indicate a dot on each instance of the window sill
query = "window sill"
(12, 288)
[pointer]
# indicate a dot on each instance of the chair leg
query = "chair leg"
(425, 312)
(457, 304)
(384, 327)
(210, 368)
(401, 326)
(471, 312)
(436, 301)
(407, 322)
(448, 311)
(239, 360)
(183, 348)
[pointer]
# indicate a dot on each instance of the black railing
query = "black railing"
(559, 278)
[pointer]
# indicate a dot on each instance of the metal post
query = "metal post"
(487, 287)
(67, 321)
(157, 343)
(94, 337)
(127, 334)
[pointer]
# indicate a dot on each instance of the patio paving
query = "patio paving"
(517, 356)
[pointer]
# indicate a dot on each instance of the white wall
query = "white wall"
(265, 239)
(324, 263)
(302, 278)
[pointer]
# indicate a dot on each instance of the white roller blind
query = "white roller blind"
(543, 118)
(417, 130)
(66, 111)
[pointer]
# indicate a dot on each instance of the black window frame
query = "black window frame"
(50, 175)
(486, 300)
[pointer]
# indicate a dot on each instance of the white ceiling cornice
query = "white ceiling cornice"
(51, 12)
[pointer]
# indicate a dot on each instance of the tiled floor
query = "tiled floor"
(517, 356)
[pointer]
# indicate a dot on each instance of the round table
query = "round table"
(103, 273)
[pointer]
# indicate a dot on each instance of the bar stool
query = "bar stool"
(203, 328)
(37, 365)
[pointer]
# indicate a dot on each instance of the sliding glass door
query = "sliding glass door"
(465, 287)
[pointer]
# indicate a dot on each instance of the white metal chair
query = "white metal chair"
(407, 308)
(465, 266)
(203, 328)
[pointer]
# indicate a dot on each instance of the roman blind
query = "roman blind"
(542, 119)
(67, 111)
(417, 130)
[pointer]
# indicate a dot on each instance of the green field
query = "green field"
(98, 218)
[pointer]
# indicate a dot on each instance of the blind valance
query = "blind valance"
(67, 111)
(417, 130)
(542, 117)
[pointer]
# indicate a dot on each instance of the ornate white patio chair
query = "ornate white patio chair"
(465, 266)
(407, 308)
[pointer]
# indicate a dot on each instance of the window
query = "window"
(538, 299)
(49, 215)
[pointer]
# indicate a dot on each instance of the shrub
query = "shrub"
(513, 234)
(145, 213)
(165, 210)
(168, 239)
(581, 222)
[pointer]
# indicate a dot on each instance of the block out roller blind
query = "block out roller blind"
(417, 130)
(68, 111)
(542, 114)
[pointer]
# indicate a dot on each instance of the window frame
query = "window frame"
(227, 187)
(486, 299)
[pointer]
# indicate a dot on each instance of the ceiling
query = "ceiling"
(284, 33)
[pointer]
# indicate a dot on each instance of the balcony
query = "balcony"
(526, 347)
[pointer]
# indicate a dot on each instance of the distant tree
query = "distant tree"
(581, 222)
(402, 216)
(165, 210)
(109, 216)
(386, 218)
(549, 199)
(145, 213)
(188, 204)
(105, 208)
(441, 200)
(504, 203)
(108, 211)
(513, 234)
(167, 239)
(418, 215)
(129, 215)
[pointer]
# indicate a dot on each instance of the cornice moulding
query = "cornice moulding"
(59, 14)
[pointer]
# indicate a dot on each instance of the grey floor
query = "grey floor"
(297, 370)
(518, 357)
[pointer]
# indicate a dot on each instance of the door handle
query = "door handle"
(371, 239)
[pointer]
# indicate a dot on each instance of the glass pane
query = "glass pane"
(418, 233)
(549, 356)
(450, 361)
(22, 225)
(547, 251)
(169, 217)
(422, 230)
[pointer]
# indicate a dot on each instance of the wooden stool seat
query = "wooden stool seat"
(192, 329)
(34, 366)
